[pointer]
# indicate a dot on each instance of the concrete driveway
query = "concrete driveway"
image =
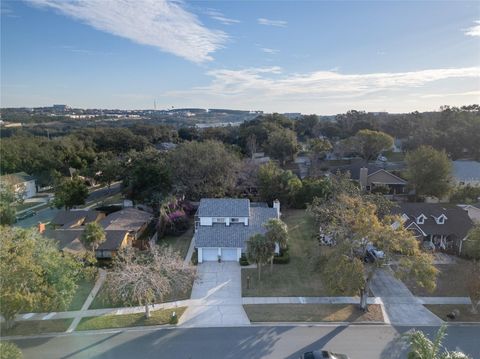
(400, 305)
(216, 297)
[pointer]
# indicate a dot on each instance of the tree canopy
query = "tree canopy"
(371, 143)
(429, 171)
(260, 250)
(93, 235)
(35, 274)
(70, 192)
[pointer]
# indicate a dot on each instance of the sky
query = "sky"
(277, 56)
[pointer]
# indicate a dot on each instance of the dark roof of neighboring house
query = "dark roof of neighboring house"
(236, 234)
(67, 218)
(67, 239)
(16, 178)
(224, 207)
(458, 222)
(465, 171)
(113, 240)
(128, 219)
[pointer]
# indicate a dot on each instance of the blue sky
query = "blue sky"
(285, 56)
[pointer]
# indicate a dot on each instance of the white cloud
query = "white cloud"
(164, 24)
(268, 22)
(474, 30)
(271, 89)
(217, 15)
(269, 51)
(454, 94)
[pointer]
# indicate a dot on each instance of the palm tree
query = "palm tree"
(93, 235)
(421, 347)
(259, 251)
(277, 233)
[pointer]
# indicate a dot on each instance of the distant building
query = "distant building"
(60, 108)
(466, 172)
(23, 184)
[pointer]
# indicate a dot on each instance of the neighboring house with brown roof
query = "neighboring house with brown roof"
(23, 184)
(75, 218)
(122, 229)
(371, 176)
(444, 227)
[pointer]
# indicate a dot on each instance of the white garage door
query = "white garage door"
(210, 254)
(229, 254)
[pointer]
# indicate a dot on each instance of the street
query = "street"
(47, 214)
(359, 342)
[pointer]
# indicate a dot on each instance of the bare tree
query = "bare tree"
(142, 277)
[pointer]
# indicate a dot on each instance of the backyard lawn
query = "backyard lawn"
(450, 281)
(312, 313)
(179, 243)
(295, 278)
(465, 314)
(32, 327)
(157, 317)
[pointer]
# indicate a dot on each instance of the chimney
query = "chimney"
(363, 177)
(41, 227)
(276, 205)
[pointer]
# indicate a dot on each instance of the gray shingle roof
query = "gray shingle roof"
(237, 234)
(223, 207)
(458, 223)
(113, 240)
(68, 217)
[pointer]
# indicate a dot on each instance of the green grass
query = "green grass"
(158, 317)
(312, 313)
(295, 278)
(394, 156)
(180, 243)
(83, 290)
(25, 205)
(32, 327)
(451, 281)
(465, 315)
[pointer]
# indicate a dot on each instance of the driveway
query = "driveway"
(401, 306)
(216, 297)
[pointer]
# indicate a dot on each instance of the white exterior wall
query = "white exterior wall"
(208, 221)
(28, 189)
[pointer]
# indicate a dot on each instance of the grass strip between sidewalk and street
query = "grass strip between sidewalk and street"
(33, 327)
(464, 312)
(312, 313)
(157, 317)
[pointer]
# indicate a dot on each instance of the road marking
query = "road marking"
(302, 300)
(49, 315)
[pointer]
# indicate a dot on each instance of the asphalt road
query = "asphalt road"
(359, 342)
(47, 214)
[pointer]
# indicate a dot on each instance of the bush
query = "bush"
(10, 351)
(283, 258)
(244, 260)
(195, 257)
(173, 318)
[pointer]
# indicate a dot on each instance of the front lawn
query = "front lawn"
(32, 327)
(465, 314)
(312, 313)
(451, 281)
(158, 317)
(85, 286)
(295, 278)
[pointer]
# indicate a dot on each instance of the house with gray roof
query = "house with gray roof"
(23, 184)
(224, 225)
(442, 226)
(466, 172)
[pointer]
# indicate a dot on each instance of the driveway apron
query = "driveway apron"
(216, 297)
(401, 306)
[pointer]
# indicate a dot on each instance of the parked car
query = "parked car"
(323, 354)
(26, 214)
(372, 254)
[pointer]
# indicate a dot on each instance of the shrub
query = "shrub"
(173, 318)
(9, 350)
(244, 260)
(284, 258)
(195, 257)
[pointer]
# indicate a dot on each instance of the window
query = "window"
(421, 219)
(234, 220)
(441, 219)
(218, 220)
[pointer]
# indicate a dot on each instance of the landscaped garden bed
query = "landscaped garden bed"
(312, 313)
(158, 317)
